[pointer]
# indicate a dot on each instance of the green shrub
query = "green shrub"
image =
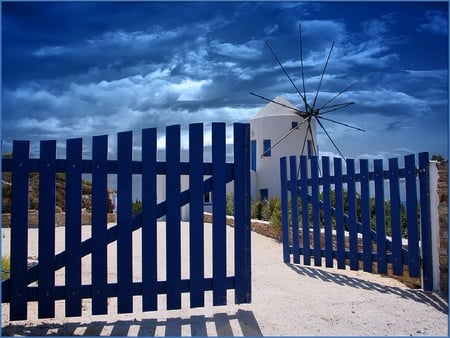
(6, 267)
(230, 204)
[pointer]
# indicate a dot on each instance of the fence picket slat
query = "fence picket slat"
(294, 209)
(46, 253)
(365, 211)
(380, 217)
(149, 221)
(242, 227)
(395, 204)
(196, 226)
(411, 216)
(16, 289)
(173, 218)
(99, 225)
(124, 215)
(219, 215)
(339, 206)
(327, 212)
(425, 221)
(316, 210)
(351, 200)
(73, 227)
(305, 209)
(284, 208)
(19, 230)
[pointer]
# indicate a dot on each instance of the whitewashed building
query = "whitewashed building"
(267, 127)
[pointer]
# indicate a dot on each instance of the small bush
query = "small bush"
(6, 267)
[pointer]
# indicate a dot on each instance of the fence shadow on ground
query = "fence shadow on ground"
(425, 297)
(222, 324)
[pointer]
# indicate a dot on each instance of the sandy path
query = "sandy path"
(287, 299)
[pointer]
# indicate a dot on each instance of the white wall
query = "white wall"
(268, 167)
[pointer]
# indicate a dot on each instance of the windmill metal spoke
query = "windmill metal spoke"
(306, 137)
(334, 144)
(321, 77)
(285, 136)
(337, 107)
(315, 152)
(301, 63)
(312, 140)
(325, 105)
(341, 123)
(284, 70)
(298, 111)
(303, 147)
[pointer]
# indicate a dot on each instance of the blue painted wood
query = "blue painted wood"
(411, 216)
(339, 210)
(380, 217)
(242, 214)
(352, 226)
(316, 210)
(284, 210)
(19, 230)
(395, 204)
(124, 214)
(73, 227)
(327, 212)
(294, 208)
(219, 215)
(149, 221)
(173, 231)
(365, 211)
(425, 221)
(100, 167)
(196, 227)
(46, 253)
(99, 222)
(305, 207)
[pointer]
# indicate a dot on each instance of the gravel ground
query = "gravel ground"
(288, 300)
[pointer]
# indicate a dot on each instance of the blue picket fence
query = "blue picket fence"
(315, 225)
(18, 290)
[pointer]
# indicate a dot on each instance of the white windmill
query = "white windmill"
(282, 129)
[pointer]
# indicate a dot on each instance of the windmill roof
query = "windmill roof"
(273, 109)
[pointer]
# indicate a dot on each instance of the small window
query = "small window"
(264, 193)
(206, 198)
(294, 124)
(266, 147)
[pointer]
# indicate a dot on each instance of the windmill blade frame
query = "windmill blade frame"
(310, 110)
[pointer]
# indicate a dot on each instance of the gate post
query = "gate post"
(427, 254)
(433, 177)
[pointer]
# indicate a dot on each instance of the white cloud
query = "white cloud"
(436, 23)
(323, 32)
(249, 50)
(52, 51)
(190, 89)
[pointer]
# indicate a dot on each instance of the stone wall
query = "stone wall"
(60, 219)
(442, 190)
(260, 227)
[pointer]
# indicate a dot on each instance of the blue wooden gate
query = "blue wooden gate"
(358, 218)
(18, 290)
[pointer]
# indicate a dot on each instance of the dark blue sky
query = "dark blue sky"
(87, 68)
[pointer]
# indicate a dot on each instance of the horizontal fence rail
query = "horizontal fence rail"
(204, 177)
(358, 218)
